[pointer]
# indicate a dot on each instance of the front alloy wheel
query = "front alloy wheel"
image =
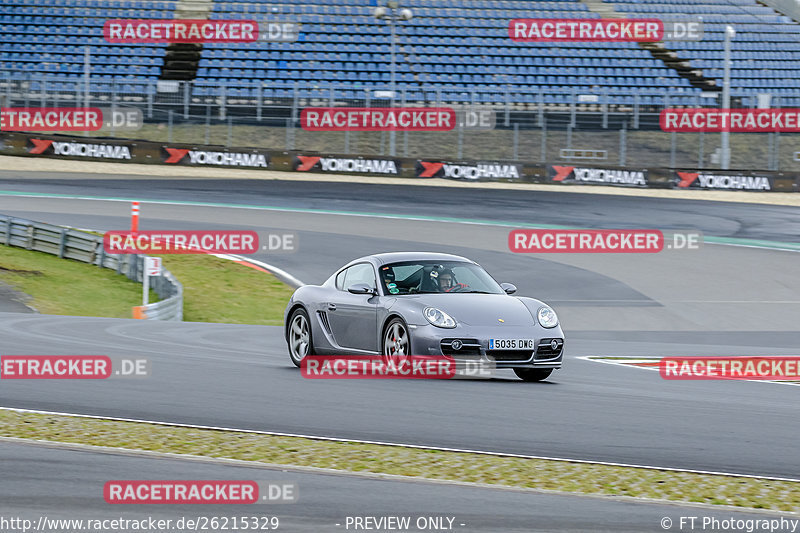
(299, 337)
(396, 341)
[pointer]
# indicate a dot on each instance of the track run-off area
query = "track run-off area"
(736, 295)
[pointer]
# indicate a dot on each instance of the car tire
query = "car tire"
(396, 343)
(299, 336)
(533, 374)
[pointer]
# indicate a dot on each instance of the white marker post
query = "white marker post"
(152, 267)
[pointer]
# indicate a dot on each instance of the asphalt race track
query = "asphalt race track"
(324, 499)
(719, 300)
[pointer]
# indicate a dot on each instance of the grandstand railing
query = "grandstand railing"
(542, 125)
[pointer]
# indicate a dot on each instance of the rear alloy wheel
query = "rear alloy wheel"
(300, 344)
(396, 342)
(533, 374)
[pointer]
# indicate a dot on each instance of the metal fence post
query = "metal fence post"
(769, 150)
(186, 100)
(604, 107)
(222, 97)
(701, 150)
(636, 111)
(541, 109)
(569, 136)
(150, 91)
(516, 141)
(673, 140)
(208, 123)
(508, 107)
(573, 109)
(259, 101)
(347, 141)
(44, 92)
(405, 132)
(543, 155)
(229, 139)
(62, 243)
(623, 143)
(169, 127)
(460, 140)
(777, 150)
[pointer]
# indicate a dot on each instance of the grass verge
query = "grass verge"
(429, 464)
(65, 287)
(218, 290)
(215, 290)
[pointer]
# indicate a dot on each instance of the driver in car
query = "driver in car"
(447, 281)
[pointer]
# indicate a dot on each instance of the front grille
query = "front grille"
(510, 355)
(544, 350)
(468, 347)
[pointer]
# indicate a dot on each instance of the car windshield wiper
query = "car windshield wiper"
(476, 292)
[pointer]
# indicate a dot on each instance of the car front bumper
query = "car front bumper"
(431, 340)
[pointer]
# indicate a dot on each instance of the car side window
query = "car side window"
(360, 273)
(340, 280)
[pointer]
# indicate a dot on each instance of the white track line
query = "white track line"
(400, 445)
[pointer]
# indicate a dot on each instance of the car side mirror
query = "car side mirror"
(508, 287)
(360, 288)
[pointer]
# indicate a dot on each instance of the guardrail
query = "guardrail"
(68, 243)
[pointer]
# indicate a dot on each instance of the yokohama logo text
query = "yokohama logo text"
(228, 159)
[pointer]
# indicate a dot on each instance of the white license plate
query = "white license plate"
(511, 344)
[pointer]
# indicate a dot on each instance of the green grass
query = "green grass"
(218, 290)
(428, 464)
(215, 290)
(66, 287)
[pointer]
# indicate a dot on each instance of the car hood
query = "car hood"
(480, 309)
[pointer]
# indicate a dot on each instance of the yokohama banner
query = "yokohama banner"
(89, 150)
(206, 156)
(729, 180)
(597, 176)
(345, 165)
(473, 171)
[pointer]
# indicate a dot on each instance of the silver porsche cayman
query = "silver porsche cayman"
(421, 303)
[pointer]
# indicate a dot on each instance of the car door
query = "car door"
(354, 317)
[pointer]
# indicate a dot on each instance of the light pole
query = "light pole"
(388, 13)
(730, 33)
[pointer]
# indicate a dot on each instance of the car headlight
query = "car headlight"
(439, 318)
(547, 317)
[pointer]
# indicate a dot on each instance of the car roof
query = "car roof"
(396, 257)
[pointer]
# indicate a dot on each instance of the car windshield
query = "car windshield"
(426, 277)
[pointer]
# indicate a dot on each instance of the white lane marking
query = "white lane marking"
(628, 364)
(399, 445)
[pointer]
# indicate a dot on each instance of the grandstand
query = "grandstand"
(459, 49)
